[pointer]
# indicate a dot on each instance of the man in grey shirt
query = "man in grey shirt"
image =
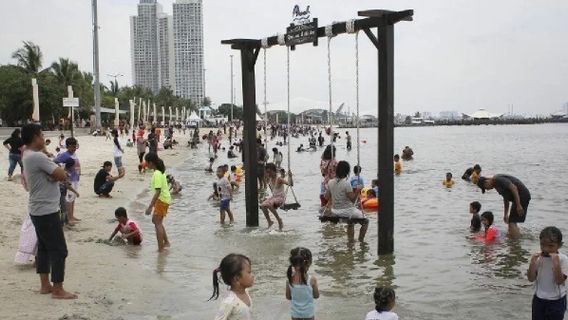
(42, 176)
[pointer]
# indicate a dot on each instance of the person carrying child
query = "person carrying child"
(129, 229)
(278, 198)
(226, 193)
(385, 299)
(549, 269)
(161, 199)
(236, 272)
(301, 288)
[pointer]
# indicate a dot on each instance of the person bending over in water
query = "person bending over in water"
(472, 174)
(448, 182)
(215, 194)
(210, 168)
(231, 153)
(236, 272)
(512, 190)
(491, 232)
(129, 229)
(276, 184)
(300, 148)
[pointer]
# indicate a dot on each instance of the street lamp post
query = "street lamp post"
(232, 100)
(97, 87)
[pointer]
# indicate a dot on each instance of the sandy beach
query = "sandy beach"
(110, 286)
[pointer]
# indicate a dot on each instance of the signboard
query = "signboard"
(70, 102)
(302, 30)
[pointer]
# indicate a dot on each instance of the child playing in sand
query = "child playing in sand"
(448, 182)
(278, 198)
(474, 209)
(301, 288)
(385, 300)
(397, 164)
(549, 269)
(357, 182)
(491, 232)
(129, 229)
(236, 272)
(226, 193)
(161, 199)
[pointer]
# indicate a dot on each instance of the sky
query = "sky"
(456, 55)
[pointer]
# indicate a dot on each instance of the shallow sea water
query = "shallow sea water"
(438, 272)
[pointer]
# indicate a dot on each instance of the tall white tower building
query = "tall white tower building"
(151, 37)
(188, 50)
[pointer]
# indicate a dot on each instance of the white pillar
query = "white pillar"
(139, 109)
(163, 116)
(35, 95)
(177, 115)
(116, 116)
(170, 115)
(132, 114)
(147, 109)
(155, 116)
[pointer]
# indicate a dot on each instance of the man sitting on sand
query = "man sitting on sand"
(104, 182)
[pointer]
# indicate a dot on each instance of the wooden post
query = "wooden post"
(249, 134)
(386, 139)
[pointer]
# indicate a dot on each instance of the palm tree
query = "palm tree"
(66, 72)
(114, 89)
(29, 57)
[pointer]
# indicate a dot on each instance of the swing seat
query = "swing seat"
(290, 206)
(339, 219)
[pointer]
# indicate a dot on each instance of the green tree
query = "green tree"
(225, 111)
(15, 95)
(29, 57)
(66, 72)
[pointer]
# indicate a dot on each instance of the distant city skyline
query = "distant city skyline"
(458, 56)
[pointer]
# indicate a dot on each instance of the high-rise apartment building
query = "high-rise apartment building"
(168, 51)
(188, 49)
(151, 37)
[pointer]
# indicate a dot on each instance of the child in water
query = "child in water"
(210, 168)
(474, 209)
(301, 288)
(491, 232)
(375, 186)
(384, 303)
(215, 194)
(175, 186)
(236, 272)
(397, 164)
(276, 184)
(226, 193)
(549, 269)
(161, 199)
(129, 229)
(357, 182)
(448, 182)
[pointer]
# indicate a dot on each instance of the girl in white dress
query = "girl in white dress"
(384, 303)
(236, 272)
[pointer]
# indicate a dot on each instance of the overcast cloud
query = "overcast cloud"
(455, 55)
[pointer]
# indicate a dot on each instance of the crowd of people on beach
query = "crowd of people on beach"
(52, 181)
